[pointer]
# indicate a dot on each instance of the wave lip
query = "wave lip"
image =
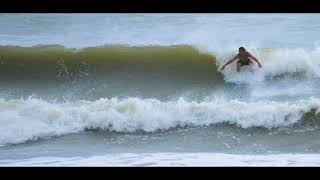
(23, 120)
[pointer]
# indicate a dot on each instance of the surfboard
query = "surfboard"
(231, 81)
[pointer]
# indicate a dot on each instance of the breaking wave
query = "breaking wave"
(172, 63)
(29, 119)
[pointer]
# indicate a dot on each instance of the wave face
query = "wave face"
(32, 119)
(55, 62)
(176, 63)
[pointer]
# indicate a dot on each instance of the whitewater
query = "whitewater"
(147, 90)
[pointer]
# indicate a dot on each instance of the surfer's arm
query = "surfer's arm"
(230, 61)
(254, 58)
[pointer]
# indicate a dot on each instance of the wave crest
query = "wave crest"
(29, 119)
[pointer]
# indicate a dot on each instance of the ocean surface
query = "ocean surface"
(147, 90)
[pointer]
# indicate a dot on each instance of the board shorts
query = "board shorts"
(247, 63)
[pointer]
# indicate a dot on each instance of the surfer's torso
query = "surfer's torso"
(244, 59)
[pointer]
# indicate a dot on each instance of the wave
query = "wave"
(175, 63)
(29, 119)
(117, 61)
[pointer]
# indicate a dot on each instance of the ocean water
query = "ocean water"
(147, 90)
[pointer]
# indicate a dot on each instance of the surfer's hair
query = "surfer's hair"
(242, 49)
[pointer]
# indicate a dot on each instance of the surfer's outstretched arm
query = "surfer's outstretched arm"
(230, 61)
(254, 58)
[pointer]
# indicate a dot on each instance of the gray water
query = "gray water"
(167, 95)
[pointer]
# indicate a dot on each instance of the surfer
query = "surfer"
(244, 59)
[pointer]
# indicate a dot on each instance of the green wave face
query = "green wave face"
(56, 62)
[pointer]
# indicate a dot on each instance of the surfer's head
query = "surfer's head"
(241, 49)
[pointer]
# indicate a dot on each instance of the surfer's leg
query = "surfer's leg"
(238, 67)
